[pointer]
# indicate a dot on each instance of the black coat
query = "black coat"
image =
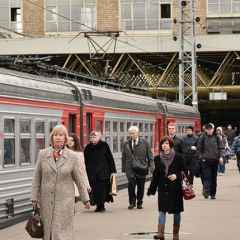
(99, 161)
(99, 165)
(170, 198)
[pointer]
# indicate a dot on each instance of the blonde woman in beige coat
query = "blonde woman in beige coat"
(56, 172)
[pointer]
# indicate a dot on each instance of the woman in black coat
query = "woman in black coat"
(167, 178)
(100, 166)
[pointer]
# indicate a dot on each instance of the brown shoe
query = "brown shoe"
(160, 234)
(176, 228)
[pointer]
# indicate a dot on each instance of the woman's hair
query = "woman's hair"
(57, 129)
(77, 146)
(166, 139)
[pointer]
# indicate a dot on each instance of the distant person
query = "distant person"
(74, 144)
(222, 136)
(167, 179)
(190, 153)
(138, 151)
(177, 142)
(210, 150)
(231, 134)
(56, 172)
(100, 166)
(236, 150)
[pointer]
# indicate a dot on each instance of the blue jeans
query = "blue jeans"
(176, 218)
(221, 168)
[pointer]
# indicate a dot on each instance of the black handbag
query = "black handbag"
(34, 225)
(139, 167)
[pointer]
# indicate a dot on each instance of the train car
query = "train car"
(30, 106)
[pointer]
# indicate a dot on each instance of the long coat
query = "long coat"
(99, 165)
(53, 188)
(170, 198)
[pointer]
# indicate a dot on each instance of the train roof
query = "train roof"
(20, 84)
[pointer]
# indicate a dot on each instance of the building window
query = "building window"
(9, 142)
(71, 15)
(221, 7)
(146, 14)
(16, 19)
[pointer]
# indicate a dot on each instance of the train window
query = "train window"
(99, 125)
(52, 125)
(40, 144)
(9, 142)
(115, 126)
(9, 151)
(129, 124)
(122, 140)
(121, 126)
(140, 127)
(25, 144)
(146, 127)
(9, 125)
(107, 126)
(115, 144)
(39, 127)
(25, 126)
(151, 127)
(72, 123)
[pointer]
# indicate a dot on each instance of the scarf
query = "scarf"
(167, 159)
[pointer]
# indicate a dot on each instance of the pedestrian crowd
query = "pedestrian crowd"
(65, 173)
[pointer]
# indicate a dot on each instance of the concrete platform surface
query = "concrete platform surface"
(203, 219)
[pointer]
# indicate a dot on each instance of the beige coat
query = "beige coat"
(53, 187)
(83, 171)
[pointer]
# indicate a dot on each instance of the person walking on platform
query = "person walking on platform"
(137, 159)
(236, 150)
(56, 172)
(167, 179)
(226, 152)
(177, 142)
(210, 150)
(74, 145)
(100, 166)
(190, 153)
(231, 134)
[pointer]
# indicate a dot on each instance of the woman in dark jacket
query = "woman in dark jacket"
(100, 166)
(167, 178)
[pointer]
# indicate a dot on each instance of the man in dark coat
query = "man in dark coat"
(177, 142)
(190, 153)
(100, 166)
(210, 150)
(137, 158)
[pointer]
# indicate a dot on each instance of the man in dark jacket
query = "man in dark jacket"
(177, 142)
(190, 153)
(137, 159)
(210, 150)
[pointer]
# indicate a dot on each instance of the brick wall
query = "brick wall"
(107, 15)
(33, 17)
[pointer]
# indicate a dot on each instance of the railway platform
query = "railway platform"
(202, 219)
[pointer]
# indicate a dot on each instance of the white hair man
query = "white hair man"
(137, 159)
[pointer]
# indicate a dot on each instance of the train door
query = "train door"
(89, 124)
(72, 123)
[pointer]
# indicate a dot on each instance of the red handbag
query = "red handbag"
(187, 189)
